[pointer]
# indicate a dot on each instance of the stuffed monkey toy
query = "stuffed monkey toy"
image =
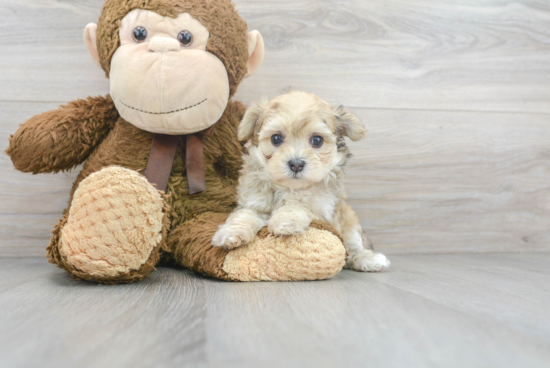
(161, 155)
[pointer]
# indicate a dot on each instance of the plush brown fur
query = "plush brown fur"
(192, 247)
(55, 257)
(62, 139)
(227, 30)
(129, 147)
(92, 131)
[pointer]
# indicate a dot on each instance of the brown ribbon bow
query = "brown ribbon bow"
(162, 156)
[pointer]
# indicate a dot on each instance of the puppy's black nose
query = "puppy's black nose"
(296, 165)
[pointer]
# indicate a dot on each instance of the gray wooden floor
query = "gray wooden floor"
(469, 310)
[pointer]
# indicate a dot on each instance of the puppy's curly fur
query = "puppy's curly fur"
(293, 173)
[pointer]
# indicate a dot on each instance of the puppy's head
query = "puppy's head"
(298, 137)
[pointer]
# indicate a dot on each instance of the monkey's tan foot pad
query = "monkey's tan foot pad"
(317, 254)
(114, 228)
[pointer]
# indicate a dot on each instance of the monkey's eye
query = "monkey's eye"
(185, 38)
(317, 141)
(140, 34)
(277, 139)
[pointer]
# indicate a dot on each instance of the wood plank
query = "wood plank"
(63, 321)
(422, 181)
(527, 262)
(15, 272)
(485, 279)
(30, 204)
(428, 310)
(44, 57)
(489, 55)
(46, 193)
(428, 181)
(26, 235)
(376, 319)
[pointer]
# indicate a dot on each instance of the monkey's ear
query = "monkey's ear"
(90, 39)
(250, 125)
(348, 124)
(255, 52)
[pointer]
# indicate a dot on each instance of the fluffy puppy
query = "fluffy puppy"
(293, 173)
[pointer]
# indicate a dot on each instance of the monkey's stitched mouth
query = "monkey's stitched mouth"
(163, 113)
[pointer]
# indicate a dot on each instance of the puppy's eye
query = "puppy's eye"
(185, 38)
(140, 34)
(277, 139)
(317, 141)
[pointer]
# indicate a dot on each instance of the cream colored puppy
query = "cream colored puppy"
(293, 173)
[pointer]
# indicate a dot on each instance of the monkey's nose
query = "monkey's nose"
(163, 44)
(296, 165)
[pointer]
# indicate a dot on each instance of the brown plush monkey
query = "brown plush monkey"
(156, 183)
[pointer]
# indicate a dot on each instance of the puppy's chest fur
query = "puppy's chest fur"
(256, 191)
(317, 199)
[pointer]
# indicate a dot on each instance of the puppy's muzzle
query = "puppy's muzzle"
(296, 165)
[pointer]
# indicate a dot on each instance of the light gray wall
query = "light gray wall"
(455, 94)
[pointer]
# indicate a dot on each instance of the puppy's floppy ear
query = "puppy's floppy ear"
(251, 123)
(348, 124)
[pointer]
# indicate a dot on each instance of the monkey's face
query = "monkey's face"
(163, 79)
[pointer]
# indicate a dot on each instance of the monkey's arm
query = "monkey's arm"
(61, 139)
(229, 151)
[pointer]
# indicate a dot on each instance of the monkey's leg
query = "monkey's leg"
(114, 229)
(316, 254)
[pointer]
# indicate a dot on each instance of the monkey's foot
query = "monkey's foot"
(316, 254)
(114, 228)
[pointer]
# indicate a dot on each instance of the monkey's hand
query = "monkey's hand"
(64, 138)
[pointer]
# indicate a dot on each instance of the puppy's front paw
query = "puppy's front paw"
(230, 238)
(285, 227)
(367, 261)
